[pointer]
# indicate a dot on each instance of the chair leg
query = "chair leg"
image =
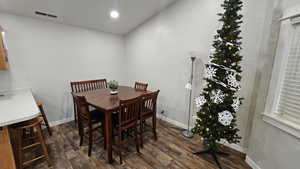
(120, 146)
(90, 140)
(104, 135)
(142, 133)
(81, 134)
(75, 113)
(136, 139)
(19, 156)
(42, 141)
(154, 126)
(45, 120)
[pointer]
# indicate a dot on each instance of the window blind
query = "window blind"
(289, 99)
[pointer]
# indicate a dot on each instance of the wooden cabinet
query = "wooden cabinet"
(3, 54)
(6, 155)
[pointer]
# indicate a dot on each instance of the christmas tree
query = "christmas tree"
(219, 103)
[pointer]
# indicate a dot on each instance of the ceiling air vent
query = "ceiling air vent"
(45, 14)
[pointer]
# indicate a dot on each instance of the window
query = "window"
(283, 102)
(289, 98)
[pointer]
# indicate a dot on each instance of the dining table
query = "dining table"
(108, 103)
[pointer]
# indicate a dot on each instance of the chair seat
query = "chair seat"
(147, 112)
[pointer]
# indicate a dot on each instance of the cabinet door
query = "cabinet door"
(3, 55)
(6, 155)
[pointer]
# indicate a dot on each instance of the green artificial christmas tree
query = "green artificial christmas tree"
(219, 103)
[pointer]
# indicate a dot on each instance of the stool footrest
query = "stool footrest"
(32, 145)
(35, 159)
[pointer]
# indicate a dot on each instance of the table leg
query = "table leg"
(108, 132)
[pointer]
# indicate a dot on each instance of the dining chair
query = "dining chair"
(43, 115)
(83, 86)
(24, 142)
(127, 120)
(148, 110)
(140, 86)
(92, 120)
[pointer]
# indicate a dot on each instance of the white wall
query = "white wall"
(270, 147)
(158, 51)
(46, 56)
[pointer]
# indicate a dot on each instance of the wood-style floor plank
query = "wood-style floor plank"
(170, 151)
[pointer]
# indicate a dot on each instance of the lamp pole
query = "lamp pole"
(188, 133)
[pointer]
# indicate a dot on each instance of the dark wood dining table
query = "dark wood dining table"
(102, 100)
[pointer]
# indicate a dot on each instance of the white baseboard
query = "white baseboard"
(251, 163)
(59, 122)
(233, 146)
(174, 122)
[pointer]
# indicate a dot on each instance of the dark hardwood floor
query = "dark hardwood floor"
(171, 151)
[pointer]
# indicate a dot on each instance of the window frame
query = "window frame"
(270, 114)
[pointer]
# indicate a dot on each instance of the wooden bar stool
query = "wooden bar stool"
(24, 143)
(90, 120)
(148, 110)
(41, 107)
(127, 120)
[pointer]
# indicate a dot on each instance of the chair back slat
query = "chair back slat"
(128, 111)
(83, 86)
(140, 86)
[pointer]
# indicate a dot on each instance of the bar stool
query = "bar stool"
(24, 143)
(41, 107)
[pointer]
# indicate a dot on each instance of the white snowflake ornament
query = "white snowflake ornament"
(232, 81)
(236, 104)
(200, 101)
(210, 72)
(225, 118)
(217, 96)
(195, 117)
(212, 51)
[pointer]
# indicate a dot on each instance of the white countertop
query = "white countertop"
(17, 106)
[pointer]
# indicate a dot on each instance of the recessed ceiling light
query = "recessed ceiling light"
(114, 14)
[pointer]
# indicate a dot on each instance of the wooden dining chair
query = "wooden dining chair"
(148, 110)
(83, 86)
(127, 120)
(92, 120)
(140, 86)
(43, 115)
(25, 142)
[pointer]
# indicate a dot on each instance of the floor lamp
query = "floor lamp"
(188, 133)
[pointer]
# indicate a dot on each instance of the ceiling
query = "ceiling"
(92, 14)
